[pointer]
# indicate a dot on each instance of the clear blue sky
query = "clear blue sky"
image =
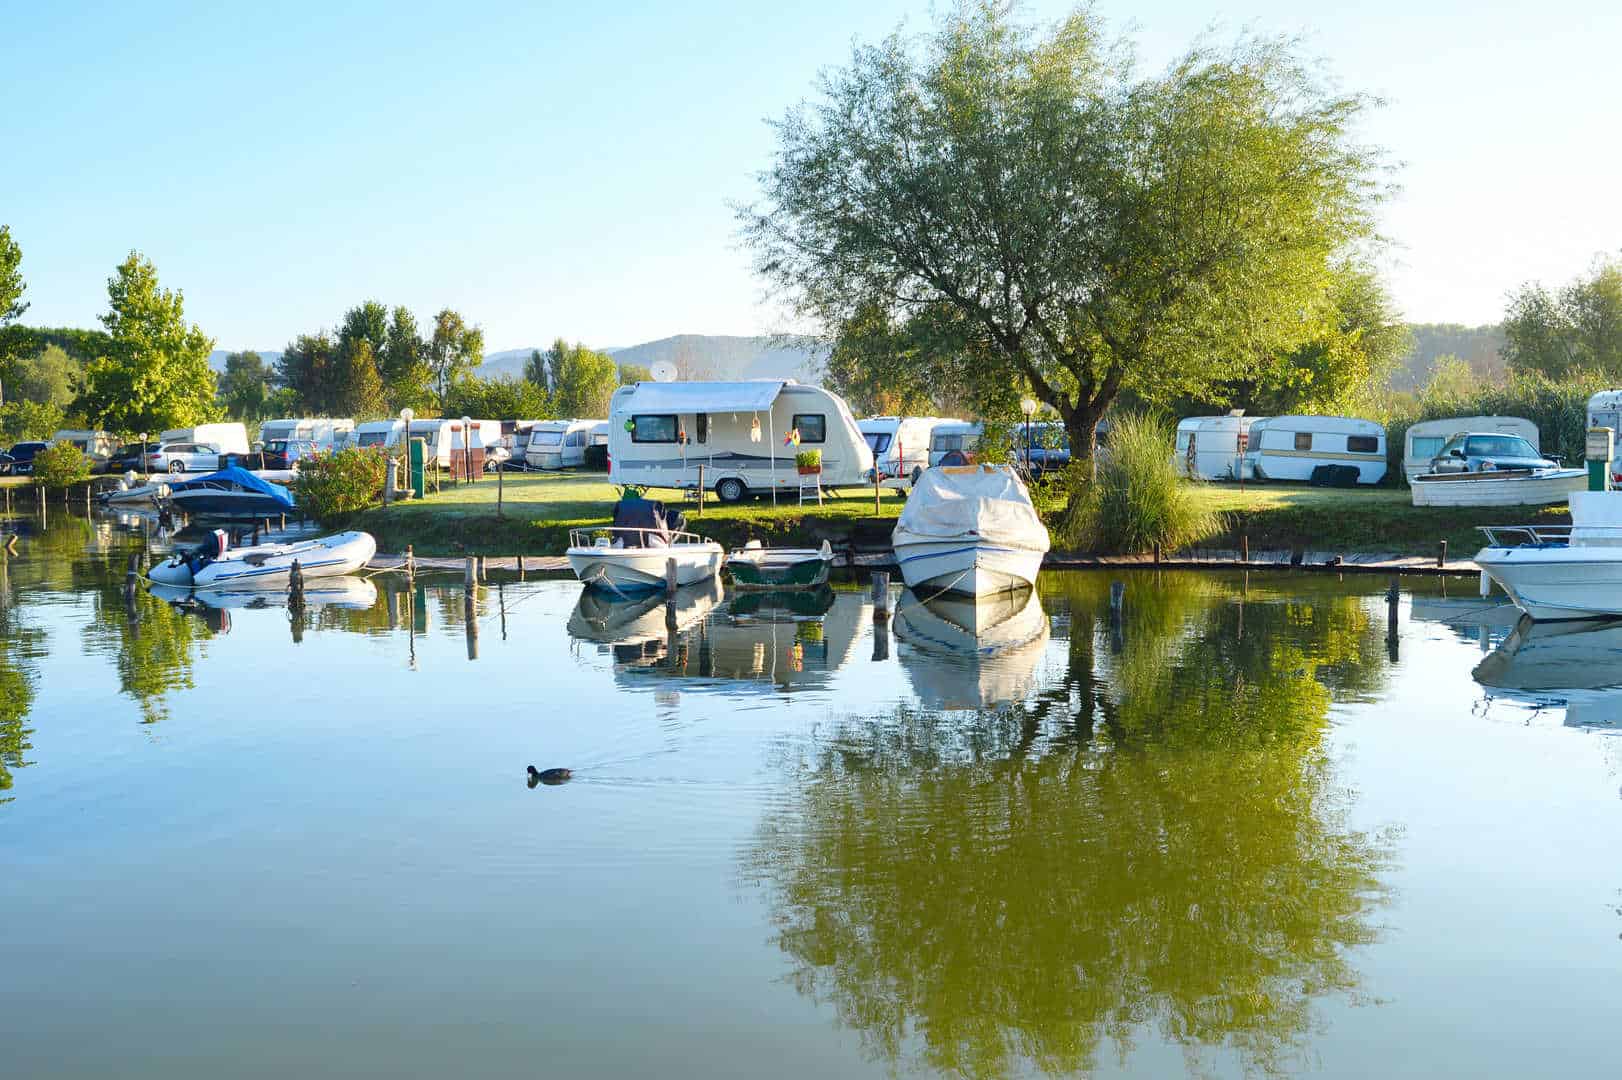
(566, 169)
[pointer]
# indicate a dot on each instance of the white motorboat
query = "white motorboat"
(971, 653)
(264, 566)
(634, 553)
(969, 529)
(1506, 487)
(1561, 571)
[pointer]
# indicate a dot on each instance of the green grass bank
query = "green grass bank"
(539, 510)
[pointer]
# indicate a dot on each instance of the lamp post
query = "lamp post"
(1028, 406)
(407, 415)
(145, 471)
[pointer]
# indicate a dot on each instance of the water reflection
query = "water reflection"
(1154, 842)
(971, 653)
(1574, 665)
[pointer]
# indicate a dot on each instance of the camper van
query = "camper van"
(98, 447)
(560, 444)
(228, 438)
(1291, 447)
(1425, 439)
(900, 444)
(1208, 446)
(325, 433)
(957, 438)
(743, 433)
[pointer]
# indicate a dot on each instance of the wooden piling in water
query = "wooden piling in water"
(1244, 547)
(1441, 554)
(1117, 596)
(295, 587)
(410, 565)
(670, 578)
(881, 595)
(469, 574)
(520, 568)
(1157, 552)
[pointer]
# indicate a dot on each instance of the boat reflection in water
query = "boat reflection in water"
(631, 623)
(971, 653)
(1577, 665)
(215, 605)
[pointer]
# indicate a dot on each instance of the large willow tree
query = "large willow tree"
(1084, 228)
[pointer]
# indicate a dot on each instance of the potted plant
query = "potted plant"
(809, 462)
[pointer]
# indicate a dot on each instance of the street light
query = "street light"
(407, 415)
(1028, 406)
(144, 469)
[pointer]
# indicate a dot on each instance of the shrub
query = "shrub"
(60, 465)
(333, 485)
(1138, 498)
(808, 459)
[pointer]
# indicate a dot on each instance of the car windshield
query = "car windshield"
(878, 441)
(1452, 445)
(1507, 446)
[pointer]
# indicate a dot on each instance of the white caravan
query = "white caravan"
(378, 434)
(97, 446)
(955, 436)
(1290, 447)
(229, 438)
(659, 433)
(1208, 446)
(901, 444)
(559, 444)
(324, 432)
(1425, 439)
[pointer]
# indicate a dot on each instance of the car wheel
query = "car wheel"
(731, 490)
(176, 467)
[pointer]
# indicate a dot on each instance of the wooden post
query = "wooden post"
(1441, 555)
(881, 595)
(1157, 552)
(1244, 547)
(410, 565)
(469, 574)
(700, 492)
(479, 567)
(520, 568)
(500, 491)
(295, 587)
(1392, 593)
(87, 498)
(470, 615)
(875, 489)
(670, 578)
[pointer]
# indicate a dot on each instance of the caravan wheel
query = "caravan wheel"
(731, 490)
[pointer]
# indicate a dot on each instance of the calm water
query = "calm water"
(1246, 833)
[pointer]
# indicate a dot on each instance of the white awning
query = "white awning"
(754, 395)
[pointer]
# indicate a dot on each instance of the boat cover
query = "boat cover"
(241, 478)
(984, 501)
(635, 512)
(751, 395)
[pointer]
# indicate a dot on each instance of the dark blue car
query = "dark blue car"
(22, 457)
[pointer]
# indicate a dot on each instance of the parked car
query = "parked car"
(128, 458)
(22, 457)
(184, 457)
(5, 463)
(1479, 451)
(282, 453)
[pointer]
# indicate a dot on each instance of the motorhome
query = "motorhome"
(325, 432)
(745, 435)
(226, 438)
(97, 446)
(559, 444)
(1292, 447)
(955, 437)
(900, 444)
(1424, 440)
(1208, 446)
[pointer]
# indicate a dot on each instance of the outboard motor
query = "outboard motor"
(184, 566)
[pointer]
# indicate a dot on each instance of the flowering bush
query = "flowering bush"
(330, 486)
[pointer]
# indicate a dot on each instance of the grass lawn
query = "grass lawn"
(539, 509)
(1347, 520)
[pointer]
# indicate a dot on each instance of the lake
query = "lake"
(1253, 829)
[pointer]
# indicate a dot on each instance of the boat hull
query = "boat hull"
(642, 569)
(967, 567)
(1553, 583)
(1487, 489)
(809, 572)
(243, 504)
(270, 566)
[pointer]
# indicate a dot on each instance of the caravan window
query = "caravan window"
(653, 428)
(372, 438)
(576, 438)
(813, 427)
(546, 438)
(702, 426)
(1303, 440)
(878, 441)
(1427, 446)
(1362, 444)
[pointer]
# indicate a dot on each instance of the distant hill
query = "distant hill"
(696, 356)
(1478, 346)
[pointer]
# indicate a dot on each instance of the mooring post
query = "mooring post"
(1157, 552)
(1117, 596)
(670, 578)
(500, 490)
(520, 568)
(479, 566)
(295, 587)
(1244, 547)
(132, 577)
(1441, 555)
(410, 565)
(881, 595)
(875, 489)
(1392, 593)
(470, 614)
(470, 574)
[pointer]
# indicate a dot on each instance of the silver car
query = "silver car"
(1488, 452)
(178, 458)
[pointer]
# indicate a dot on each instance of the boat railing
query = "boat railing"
(1537, 535)
(606, 535)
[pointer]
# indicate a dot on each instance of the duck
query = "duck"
(548, 776)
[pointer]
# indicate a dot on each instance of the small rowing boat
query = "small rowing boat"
(757, 567)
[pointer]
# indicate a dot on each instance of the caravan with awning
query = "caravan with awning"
(745, 434)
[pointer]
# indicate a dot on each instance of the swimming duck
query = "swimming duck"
(548, 776)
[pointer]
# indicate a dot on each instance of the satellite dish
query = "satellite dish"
(663, 371)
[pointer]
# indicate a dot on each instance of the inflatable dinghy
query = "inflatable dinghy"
(264, 566)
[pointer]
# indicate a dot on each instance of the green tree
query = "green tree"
(1092, 230)
(50, 377)
(24, 419)
(360, 392)
(245, 386)
(407, 377)
(156, 373)
(581, 380)
(309, 367)
(499, 398)
(60, 465)
(454, 348)
(1577, 329)
(367, 322)
(11, 304)
(630, 374)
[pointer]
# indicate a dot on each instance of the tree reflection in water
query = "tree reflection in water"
(1155, 843)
